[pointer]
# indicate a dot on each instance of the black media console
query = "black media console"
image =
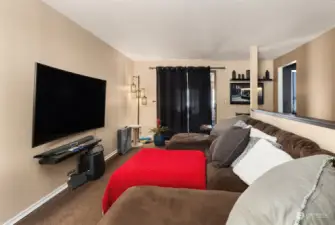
(63, 152)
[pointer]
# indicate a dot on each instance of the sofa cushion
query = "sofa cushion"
(251, 121)
(293, 144)
(224, 179)
(189, 141)
(230, 146)
(260, 125)
(271, 130)
(173, 206)
(306, 197)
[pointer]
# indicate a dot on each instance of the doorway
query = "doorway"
(289, 87)
(213, 95)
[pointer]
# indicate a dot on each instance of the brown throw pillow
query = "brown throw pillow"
(230, 146)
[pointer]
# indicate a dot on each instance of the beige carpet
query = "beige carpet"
(79, 207)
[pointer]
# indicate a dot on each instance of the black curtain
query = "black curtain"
(199, 85)
(171, 98)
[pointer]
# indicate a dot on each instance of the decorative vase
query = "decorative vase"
(159, 140)
(248, 74)
(234, 75)
(239, 76)
(243, 77)
(267, 75)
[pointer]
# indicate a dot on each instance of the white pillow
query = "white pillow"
(260, 159)
(259, 134)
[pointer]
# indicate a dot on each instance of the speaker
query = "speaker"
(95, 163)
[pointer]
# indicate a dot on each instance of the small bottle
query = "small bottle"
(248, 74)
(234, 75)
(267, 75)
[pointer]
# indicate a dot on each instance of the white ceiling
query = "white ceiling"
(201, 29)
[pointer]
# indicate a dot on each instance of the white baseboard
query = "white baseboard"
(46, 198)
(110, 155)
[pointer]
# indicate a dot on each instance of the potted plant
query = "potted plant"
(158, 131)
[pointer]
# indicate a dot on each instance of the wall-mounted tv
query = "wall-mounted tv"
(66, 103)
(240, 93)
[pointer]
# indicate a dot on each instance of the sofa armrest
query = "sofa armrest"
(224, 179)
(174, 206)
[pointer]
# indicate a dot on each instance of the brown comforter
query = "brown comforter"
(170, 206)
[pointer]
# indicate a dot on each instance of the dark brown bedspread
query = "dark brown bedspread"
(170, 206)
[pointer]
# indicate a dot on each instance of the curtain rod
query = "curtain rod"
(213, 68)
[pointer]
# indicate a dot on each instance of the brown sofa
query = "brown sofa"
(168, 206)
(295, 145)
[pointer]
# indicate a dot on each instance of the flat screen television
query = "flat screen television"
(66, 103)
(240, 93)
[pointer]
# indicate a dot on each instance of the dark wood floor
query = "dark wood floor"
(79, 207)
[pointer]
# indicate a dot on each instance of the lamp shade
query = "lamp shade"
(133, 88)
(144, 100)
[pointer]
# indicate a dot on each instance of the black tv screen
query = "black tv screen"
(240, 93)
(66, 103)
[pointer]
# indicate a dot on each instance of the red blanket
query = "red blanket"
(156, 167)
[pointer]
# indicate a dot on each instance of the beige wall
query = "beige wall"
(321, 135)
(224, 109)
(32, 32)
(315, 76)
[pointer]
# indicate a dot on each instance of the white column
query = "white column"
(253, 77)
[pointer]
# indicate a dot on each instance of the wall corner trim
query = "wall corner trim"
(18, 217)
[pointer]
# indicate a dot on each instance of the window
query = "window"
(213, 92)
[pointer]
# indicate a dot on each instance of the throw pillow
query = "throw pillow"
(252, 142)
(299, 192)
(224, 125)
(210, 150)
(261, 158)
(230, 146)
(242, 124)
(260, 134)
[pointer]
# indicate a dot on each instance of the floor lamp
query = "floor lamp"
(140, 95)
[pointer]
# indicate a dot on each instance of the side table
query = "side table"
(136, 135)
